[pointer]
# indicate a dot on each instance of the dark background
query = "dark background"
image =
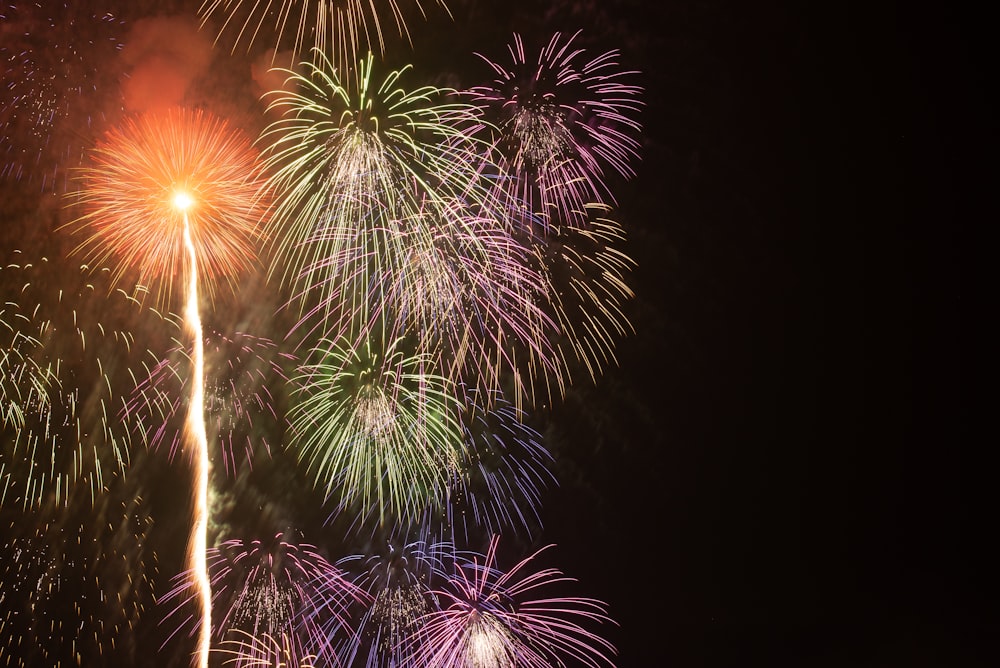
(778, 471)
(782, 463)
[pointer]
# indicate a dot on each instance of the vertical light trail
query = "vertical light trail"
(195, 425)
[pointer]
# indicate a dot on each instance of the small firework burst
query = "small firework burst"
(239, 398)
(276, 588)
(396, 576)
(491, 618)
(565, 119)
(375, 427)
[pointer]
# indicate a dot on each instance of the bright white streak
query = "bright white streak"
(198, 548)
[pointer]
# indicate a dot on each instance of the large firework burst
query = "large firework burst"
(565, 118)
(132, 220)
(355, 164)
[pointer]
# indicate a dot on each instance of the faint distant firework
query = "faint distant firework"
(397, 577)
(73, 375)
(56, 61)
(504, 472)
(177, 194)
(492, 618)
(241, 395)
(355, 164)
(342, 28)
(75, 586)
(375, 427)
(566, 118)
(277, 588)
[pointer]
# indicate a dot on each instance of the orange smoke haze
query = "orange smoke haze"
(163, 56)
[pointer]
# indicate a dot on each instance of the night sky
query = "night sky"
(778, 471)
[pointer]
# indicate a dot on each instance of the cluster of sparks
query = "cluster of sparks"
(448, 263)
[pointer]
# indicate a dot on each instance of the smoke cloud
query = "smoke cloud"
(163, 56)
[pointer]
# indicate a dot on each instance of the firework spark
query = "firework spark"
(71, 356)
(565, 117)
(341, 27)
(75, 585)
(491, 618)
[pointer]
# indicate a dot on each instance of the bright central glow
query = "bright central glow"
(197, 555)
(182, 200)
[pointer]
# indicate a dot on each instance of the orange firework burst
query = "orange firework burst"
(158, 170)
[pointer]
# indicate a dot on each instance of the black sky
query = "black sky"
(780, 470)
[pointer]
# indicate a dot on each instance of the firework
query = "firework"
(267, 589)
(132, 220)
(490, 618)
(500, 482)
(24, 386)
(396, 578)
(55, 59)
(356, 163)
(565, 118)
(72, 376)
(178, 191)
(341, 27)
(375, 427)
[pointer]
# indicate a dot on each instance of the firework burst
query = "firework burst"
(376, 427)
(489, 618)
(132, 217)
(396, 577)
(356, 163)
(274, 589)
(500, 482)
(340, 27)
(565, 119)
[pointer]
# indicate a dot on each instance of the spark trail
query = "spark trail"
(195, 425)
